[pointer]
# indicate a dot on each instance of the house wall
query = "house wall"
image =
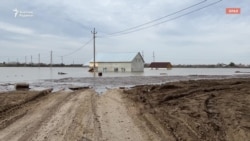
(110, 67)
(92, 64)
(137, 64)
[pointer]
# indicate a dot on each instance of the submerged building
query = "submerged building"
(157, 65)
(118, 62)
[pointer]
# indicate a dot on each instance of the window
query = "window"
(104, 69)
(123, 69)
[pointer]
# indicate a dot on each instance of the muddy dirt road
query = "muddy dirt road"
(69, 116)
(56, 116)
(190, 110)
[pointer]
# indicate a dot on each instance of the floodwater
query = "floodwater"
(40, 78)
(29, 74)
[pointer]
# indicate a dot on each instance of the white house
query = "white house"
(118, 62)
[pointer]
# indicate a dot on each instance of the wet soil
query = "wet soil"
(193, 110)
(206, 110)
(49, 116)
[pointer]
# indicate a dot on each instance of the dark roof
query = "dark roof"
(160, 65)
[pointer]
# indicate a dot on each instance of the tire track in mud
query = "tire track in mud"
(80, 115)
(196, 110)
(60, 116)
(56, 124)
(68, 122)
(193, 110)
(85, 125)
(10, 108)
(12, 113)
(37, 112)
(119, 121)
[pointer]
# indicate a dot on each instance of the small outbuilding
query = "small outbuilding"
(157, 65)
(118, 62)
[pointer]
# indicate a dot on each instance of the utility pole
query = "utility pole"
(62, 59)
(94, 32)
(25, 60)
(31, 59)
(51, 53)
(39, 59)
(153, 56)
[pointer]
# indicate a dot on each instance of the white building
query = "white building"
(118, 62)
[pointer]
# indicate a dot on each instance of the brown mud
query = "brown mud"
(206, 110)
(177, 111)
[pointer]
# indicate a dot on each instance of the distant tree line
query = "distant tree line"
(146, 65)
(38, 65)
(219, 65)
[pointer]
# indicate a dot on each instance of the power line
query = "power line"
(171, 19)
(155, 20)
(51, 58)
(68, 54)
(188, 13)
(39, 57)
(47, 56)
(146, 25)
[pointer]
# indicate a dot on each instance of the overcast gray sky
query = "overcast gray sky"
(208, 36)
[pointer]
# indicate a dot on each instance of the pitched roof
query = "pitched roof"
(160, 65)
(114, 57)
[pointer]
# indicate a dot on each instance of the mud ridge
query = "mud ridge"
(196, 109)
(11, 113)
(13, 107)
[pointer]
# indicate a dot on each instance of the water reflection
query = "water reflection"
(51, 76)
(29, 74)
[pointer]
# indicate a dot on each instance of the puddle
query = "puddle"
(102, 84)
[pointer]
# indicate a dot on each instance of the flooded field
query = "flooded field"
(43, 78)
(177, 104)
(30, 74)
